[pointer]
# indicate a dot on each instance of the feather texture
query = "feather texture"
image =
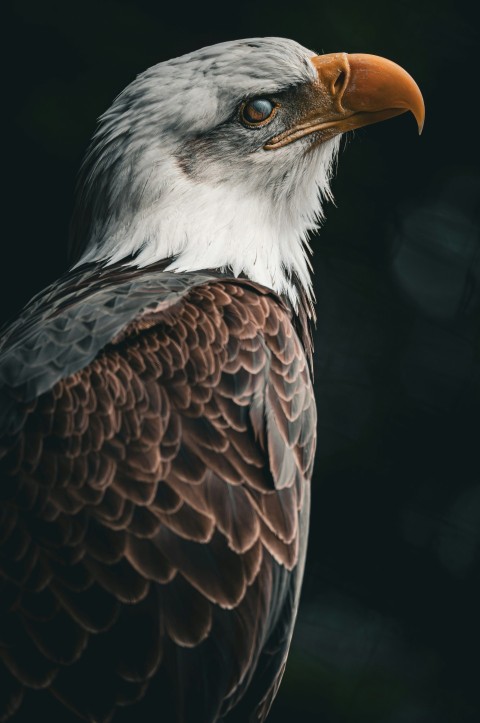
(158, 439)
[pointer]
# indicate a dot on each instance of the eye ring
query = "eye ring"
(258, 112)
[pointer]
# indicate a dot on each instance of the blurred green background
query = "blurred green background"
(389, 630)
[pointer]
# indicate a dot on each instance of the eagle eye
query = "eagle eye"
(257, 112)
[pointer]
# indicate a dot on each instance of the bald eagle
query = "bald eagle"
(157, 418)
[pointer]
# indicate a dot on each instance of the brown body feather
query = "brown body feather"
(154, 511)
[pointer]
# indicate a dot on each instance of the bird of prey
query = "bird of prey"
(157, 418)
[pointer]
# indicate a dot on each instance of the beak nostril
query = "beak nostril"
(339, 82)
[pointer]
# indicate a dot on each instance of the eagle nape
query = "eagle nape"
(157, 415)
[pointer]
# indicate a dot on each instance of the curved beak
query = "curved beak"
(352, 91)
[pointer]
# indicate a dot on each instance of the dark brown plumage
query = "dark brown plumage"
(153, 499)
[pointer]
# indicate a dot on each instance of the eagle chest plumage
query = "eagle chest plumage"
(156, 451)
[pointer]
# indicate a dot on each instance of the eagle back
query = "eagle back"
(158, 433)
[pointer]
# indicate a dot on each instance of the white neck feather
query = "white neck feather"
(246, 227)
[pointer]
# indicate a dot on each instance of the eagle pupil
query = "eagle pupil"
(258, 110)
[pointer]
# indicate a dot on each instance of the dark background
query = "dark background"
(389, 628)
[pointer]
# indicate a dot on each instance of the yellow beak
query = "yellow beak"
(352, 91)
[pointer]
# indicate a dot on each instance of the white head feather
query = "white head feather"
(172, 173)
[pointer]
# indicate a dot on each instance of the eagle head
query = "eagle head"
(221, 158)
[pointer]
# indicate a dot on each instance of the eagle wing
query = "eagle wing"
(157, 448)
